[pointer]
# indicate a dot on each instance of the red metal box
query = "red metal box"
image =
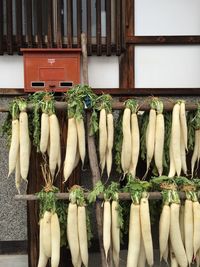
(51, 69)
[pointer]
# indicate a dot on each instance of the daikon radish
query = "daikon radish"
(146, 229)
(106, 227)
(18, 179)
(55, 240)
(175, 236)
(183, 122)
(110, 127)
(46, 234)
(172, 170)
(195, 151)
(134, 236)
(166, 254)
(150, 142)
(71, 148)
(82, 234)
(24, 144)
(196, 234)
(188, 229)
(164, 226)
(54, 143)
(126, 146)
(115, 233)
(14, 146)
(159, 139)
(81, 138)
(103, 135)
(175, 137)
(142, 255)
(72, 232)
(173, 260)
(44, 137)
(183, 155)
(43, 259)
(135, 142)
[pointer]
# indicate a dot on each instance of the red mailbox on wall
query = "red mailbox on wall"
(51, 69)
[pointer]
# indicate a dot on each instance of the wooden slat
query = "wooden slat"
(1, 27)
(69, 23)
(50, 25)
(98, 27)
(108, 27)
(118, 27)
(130, 17)
(29, 31)
(19, 24)
(79, 22)
(159, 40)
(39, 23)
(9, 24)
(59, 25)
(123, 25)
(89, 29)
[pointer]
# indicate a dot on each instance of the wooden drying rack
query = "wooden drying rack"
(93, 160)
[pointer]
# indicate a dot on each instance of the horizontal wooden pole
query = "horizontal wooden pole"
(165, 40)
(117, 105)
(122, 196)
(10, 92)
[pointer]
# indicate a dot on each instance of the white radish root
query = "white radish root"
(183, 122)
(106, 227)
(110, 126)
(196, 235)
(82, 234)
(81, 138)
(46, 234)
(44, 137)
(188, 229)
(164, 225)
(115, 233)
(103, 135)
(55, 240)
(159, 143)
(150, 141)
(43, 259)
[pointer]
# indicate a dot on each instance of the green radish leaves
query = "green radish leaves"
(98, 189)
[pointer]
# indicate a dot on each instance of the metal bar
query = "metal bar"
(69, 23)
(19, 24)
(1, 27)
(79, 22)
(98, 27)
(122, 196)
(108, 27)
(159, 40)
(9, 27)
(89, 28)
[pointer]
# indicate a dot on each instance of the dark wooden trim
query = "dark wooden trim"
(108, 27)
(122, 91)
(118, 26)
(130, 11)
(59, 25)
(159, 40)
(50, 33)
(79, 22)
(1, 27)
(98, 27)
(29, 31)
(69, 23)
(9, 27)
(13, 247)
(39, 23)
(89, 29)
(19, 24)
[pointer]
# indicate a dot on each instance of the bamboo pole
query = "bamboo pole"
(122, 196)
(117, 105)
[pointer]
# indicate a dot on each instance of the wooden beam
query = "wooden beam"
(79, 22)
(9, 27)
(1, 27)
(59, 25)
(50, 33)
(29, 31)
(19, 25)
(39, 23)
(98, 27)
(89, 28)
(122, 196)
(108, 27)
(165, 40)
(118, 21)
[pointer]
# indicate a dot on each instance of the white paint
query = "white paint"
(164, 66)
(103, 72)
(167, 17)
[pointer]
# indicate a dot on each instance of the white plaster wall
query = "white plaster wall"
(103, 72)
